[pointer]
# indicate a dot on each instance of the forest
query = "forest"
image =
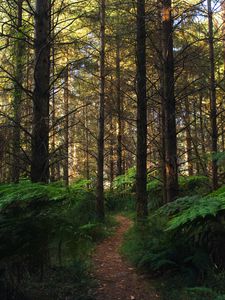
(112, 149)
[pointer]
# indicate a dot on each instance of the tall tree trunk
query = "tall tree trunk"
(141, 180)
(101, 122)
(87, 143)
(163, 158)
(169, 102)
(2, 154)
(223, 132)
(111, 152)
(213, 108)
(29, 81)
(19, 57)
(162, 106)
(66, 128)
(119, 108)
(223, 39)
(40, 138)
(200, 166)
(188, 138)
(223, 34)
(202, 134)
(53, 119)
(195, 141)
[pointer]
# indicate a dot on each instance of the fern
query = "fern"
(42, 226)
(194, 185)
(125, 181)
(200, 209)
(201, 221)
(186, 236)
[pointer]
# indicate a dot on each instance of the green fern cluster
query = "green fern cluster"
(41, 227)
(201, 210)
(125, 181)
(186, 234)
(194, 185)
(124, 188)
(184, 239)
(26, 192)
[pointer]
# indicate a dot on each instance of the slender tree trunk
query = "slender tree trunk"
(163, 158)
(200, 167)
(202, 124)
(2, 152)
(119, 108)
(28, 103)
(141, 180)
(188, 138)
(101, 123)
(58, 170)
(195, 140)
(19, 57)
(223, 34)
(162, 106)
(66, 128)
(40, 138)
(53, 143)
(213, 107)
(223, 112)
(111, 153)
(169, 102)
(202, 134)
(87, 144)
(223, 132)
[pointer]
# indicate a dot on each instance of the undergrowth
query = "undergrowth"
(47, 233)
(122, 196)
(182, 245)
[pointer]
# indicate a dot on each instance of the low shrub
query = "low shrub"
(184, 239)
(125, 182)
(122, 197)
(44, 227)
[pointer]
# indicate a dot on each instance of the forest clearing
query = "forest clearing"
(112, 150)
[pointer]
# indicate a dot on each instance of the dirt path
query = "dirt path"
(117, 280)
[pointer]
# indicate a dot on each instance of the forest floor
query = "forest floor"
(117, 280)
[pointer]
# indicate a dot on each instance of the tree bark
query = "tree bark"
(141, 179)
(101, 122)
(87, 144)
(163, 153)
(213, 106)
(162, 106)
(202, 135)
(119, 109)
(66, 128)
(111, 153)
(53, 174)
(169, 102)
(223, 34)
(40, 134)
(19, 57)
(188, 138)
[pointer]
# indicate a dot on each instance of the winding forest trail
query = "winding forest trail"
(116, 279)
